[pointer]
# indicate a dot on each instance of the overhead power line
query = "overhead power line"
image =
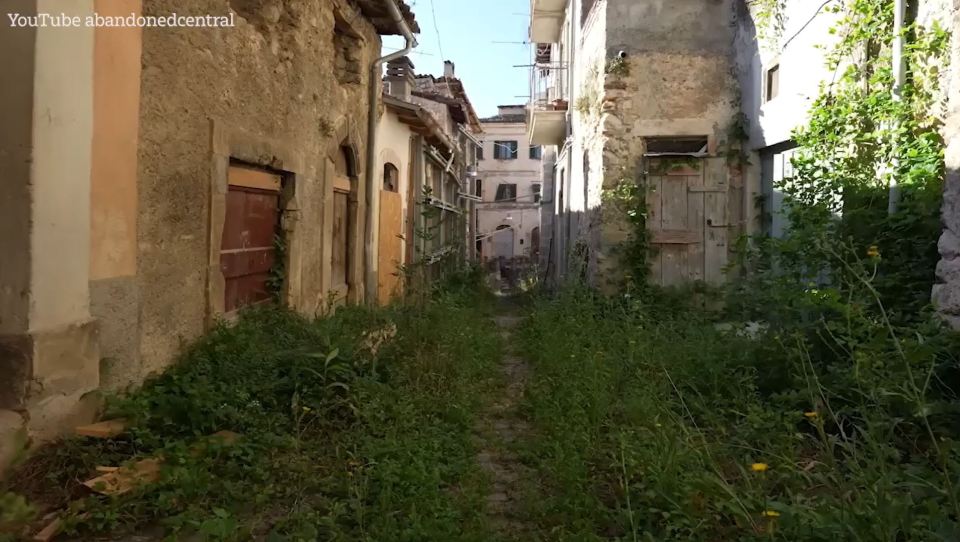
(436, 28)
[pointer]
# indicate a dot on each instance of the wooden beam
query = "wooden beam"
(104, 429)
(675, 237)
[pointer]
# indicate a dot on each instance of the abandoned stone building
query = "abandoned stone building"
(427, 148)
(622, 86)
(619, 87)
(159, 179)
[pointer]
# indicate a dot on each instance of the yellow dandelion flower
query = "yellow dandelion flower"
(771, 514)
(810, 415)
(873, 251)
(759, 467)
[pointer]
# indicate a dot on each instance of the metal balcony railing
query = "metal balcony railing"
(545, 88)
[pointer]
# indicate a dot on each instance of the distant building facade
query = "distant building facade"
(510, 184)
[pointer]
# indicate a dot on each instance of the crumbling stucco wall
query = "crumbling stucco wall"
(48, 342)
(946, 293)
(114, 296)
(272, 82)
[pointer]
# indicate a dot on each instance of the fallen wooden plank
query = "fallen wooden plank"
(120, 480)
(51, 530)
(104, 429)
(126, 479)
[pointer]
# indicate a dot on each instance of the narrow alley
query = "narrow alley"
(498, 271)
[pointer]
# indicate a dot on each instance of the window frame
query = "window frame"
(508, 190)
(499, 152)
(771, 82)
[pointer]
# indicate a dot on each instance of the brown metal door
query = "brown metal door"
(247, 251)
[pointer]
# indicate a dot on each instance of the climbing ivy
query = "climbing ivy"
(628, 200)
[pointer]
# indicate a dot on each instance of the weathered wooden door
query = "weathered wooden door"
(687, 219)
(391, 245)
(247, 250)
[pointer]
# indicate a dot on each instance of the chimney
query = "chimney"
(400, 78)
(448, 69)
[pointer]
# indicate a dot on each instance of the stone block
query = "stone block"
(13, 437)
(55, 415)
(16, 357)
(66, 360)
(949, 245)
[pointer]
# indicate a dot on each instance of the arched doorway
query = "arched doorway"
(503, 240)
(344, 222)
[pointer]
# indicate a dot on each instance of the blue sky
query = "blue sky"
(466, 32)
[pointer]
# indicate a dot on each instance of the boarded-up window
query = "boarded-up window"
(677, 146)
(247, 249)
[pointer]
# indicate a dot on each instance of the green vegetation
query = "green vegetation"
(818, 400)
(656, 423)
(338, 440)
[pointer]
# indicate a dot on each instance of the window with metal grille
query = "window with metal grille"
(536, 193)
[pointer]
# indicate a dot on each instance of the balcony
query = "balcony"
(548, 124)
(547, 119)
(546, 20)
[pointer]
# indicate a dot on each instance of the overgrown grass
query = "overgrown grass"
(659, 424)
(338, 442)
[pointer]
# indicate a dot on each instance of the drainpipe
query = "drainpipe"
(371, 246)
(899, 77)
